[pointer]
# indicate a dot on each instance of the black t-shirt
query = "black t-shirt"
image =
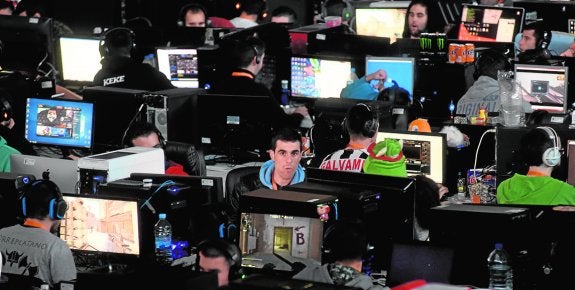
(123, 72)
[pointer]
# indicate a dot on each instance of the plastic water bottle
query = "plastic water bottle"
(285, 93)
(163, 236)
(500, 272)
(460, 186)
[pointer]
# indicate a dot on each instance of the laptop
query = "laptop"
(63, 172)
(420, 260)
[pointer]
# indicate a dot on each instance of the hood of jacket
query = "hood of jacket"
(267, 170)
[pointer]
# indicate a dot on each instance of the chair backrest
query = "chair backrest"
(186, 155)
(19, 282)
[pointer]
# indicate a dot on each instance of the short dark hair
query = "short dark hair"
(334, 7)
(38, 195)
(286, 135)
(31, 7)
(490, 62)
(532, 146)
(253, 7)
(359, 119)
(345, 239)
(139, 129)
(119, 40)
(538, 28)
(244, 50)
(5, 4)
(286, 12)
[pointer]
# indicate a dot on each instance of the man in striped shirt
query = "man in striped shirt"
(361, 123)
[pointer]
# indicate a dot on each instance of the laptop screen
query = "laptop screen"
(545, 87)
(180, 65)
(490, 23)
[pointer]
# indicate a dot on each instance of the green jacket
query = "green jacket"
(536, 190)
(5, 152)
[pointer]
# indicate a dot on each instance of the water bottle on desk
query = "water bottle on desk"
(285, 93)
(163, 237)
(500, 272)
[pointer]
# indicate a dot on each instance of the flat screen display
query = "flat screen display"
(490, 23)
(80, 58)
(424, 152)
(382, 22)
(545, 87)
(101, 224)
(292, 238)
(180, 65)
(319, 76)
(59, 123)
(400, 71)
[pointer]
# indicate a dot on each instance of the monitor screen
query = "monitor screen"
(490, 23)
(425, 153)
(319, 76)
(27, 43)
(59, 123)
(79, 58)
(101, 224)
(400, 71)
(292, 238)
(545, 87)
(180, 65)
(381, 21)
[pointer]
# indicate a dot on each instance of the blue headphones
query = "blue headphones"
(57, 207)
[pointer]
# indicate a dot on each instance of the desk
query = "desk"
(222, 169)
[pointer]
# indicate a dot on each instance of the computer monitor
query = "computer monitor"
(27, 43)
(79, 59)
(232, 124)
(544, 86)
(490, 23)
(319, 76)
(59, 123)
(101, 224)
(382, 21)
(381, 202)
(400, 71)
(180, 65)
(425, 153)
(63, 172)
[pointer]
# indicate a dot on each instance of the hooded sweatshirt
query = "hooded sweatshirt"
(392, 163)
(345, 275)
(537, 190)
(268, 168)
(123, 72)
(483, 93)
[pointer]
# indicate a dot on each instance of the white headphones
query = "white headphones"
(552, 156)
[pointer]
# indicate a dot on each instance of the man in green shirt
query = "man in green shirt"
(541, 151)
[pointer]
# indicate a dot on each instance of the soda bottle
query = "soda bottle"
(163, 237)
(500, 272)
(285, 93)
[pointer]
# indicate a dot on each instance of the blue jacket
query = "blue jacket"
(359, 89)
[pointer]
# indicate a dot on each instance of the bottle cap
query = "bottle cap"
(147, 182)
(162, 215)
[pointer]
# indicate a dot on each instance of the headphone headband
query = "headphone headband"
(191, 6)
(552, 156)
(105, 39)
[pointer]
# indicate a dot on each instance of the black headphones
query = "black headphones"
(370, 126)
(552, 155)
(109, 35)
(6, 112)
(346, 14)
(192, 6)
(57, 207)
(127, 139)
(257, 53)
(545, 39)
(493, 55)
(230, 251)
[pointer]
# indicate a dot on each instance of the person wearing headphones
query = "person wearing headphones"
(284, 14)
(540, 152)
(144, 134)
(121, 70)
(345, 243)
(361, 123)
(220, 256)
(484, 93)
(250, 12)
(247, 58)
(39, 253)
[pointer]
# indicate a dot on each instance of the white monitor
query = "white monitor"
(180, 65)
(544, 86)
(319, 76)
(424, 152)
(80, 58)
